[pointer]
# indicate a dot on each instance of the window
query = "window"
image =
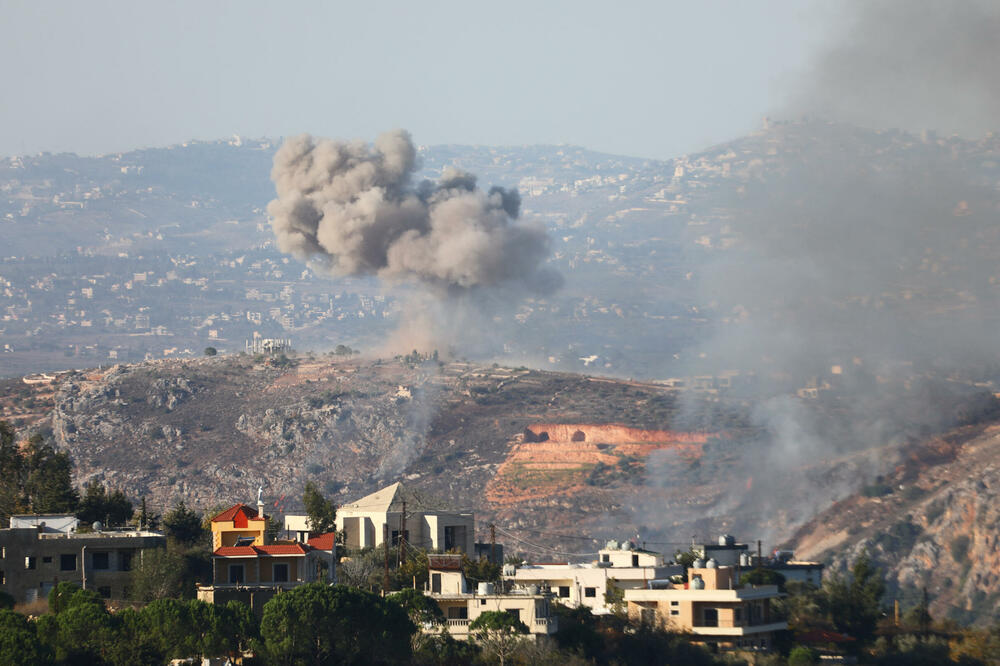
(235, 573)
(454, 537)
(605, 557)
(3, 578)
(737, 614)
(675, 603)
(635, 560)
(101, 561)
(482, 602)
(125, 560)
(710, 617)
(67, 562)
(564, 591)
(436, 583)
(47, 559)
(104, 591)
(395, 537)
(29, 562)
(590, 591)
(458, 613)
(674, 612)
(281, 573)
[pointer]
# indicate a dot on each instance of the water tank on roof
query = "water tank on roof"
(711, 564)
(97, 526)
(727, 540)
(697, 583)
(532, 589)
(485, 588)
(745, 559)
(628, 545)
(509, 570)
(698, 564)
(612, 545)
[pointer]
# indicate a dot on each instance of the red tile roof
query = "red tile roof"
(258, 551)
(230, 514)
(323, 541)
(283, 549)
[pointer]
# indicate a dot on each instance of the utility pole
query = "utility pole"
(402, 535)
(493, 543)
(385, 547)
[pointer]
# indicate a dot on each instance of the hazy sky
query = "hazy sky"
(656, 78)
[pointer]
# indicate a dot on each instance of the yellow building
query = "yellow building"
(246, 568)
(240, 525)
(712, 606)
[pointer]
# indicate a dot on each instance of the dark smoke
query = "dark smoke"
(912, 64)
(352, 209)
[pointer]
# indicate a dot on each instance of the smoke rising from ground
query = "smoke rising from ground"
(913, 64)
(860, 302)
(352, 209)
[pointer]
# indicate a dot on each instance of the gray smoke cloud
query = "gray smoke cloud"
(912, 64)
(352, 209)
(860, 299)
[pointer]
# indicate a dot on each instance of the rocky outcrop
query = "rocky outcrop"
(930, 525)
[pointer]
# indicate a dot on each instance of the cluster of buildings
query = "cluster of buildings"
(705, 599)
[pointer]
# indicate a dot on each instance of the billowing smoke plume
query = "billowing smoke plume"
(859, 298)
(911, 64)
(353, 209)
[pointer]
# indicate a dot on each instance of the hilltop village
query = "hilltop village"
(720, 594)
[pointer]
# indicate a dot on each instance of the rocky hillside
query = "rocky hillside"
(932, 523)
(211, 430)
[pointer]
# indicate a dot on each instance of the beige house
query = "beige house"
(712, 607)
(462, 605)
(398, 510)
(618, 567)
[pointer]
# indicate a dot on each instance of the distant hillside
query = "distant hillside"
(160, 252)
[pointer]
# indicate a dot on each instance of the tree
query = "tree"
(99, 505)
(802, 656)
(499, 632)
(49, 480)
(183, 525)
(480, 570)
(322, 624)
(854, 603)
(145, 519)
(11, 474)
(321, 511)
(160, 575)
(133, 642)
(80, 629)
(421, 609)
(19, 643)
(211, 351)
(762, 576)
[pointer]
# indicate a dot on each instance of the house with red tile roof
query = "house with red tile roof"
(245, 567)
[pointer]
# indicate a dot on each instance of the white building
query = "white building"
(619, 567)
(462, 605)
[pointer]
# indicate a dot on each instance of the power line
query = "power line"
(543, 548)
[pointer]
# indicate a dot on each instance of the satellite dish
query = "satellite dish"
(97, 526)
